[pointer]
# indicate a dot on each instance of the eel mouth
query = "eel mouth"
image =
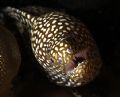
(73, 64)
(76, 61)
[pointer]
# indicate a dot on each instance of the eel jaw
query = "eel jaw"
(79, 58)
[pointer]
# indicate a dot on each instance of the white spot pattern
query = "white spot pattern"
(48, 41)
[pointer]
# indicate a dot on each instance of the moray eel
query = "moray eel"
(9, 59)
(62, 45)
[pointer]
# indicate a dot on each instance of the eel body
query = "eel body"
(9, 60)
(62, 45)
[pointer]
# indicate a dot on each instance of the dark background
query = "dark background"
(103, 20)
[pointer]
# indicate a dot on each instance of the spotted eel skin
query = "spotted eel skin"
(62, 45)
(9, 60)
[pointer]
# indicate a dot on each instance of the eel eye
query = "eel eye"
(60, 60)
